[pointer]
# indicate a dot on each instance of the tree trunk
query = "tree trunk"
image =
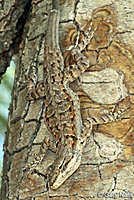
(107, 168)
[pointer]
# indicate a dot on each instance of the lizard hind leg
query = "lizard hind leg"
(36, 92)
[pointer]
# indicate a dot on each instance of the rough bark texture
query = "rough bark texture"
(13, 15)
(107, 164)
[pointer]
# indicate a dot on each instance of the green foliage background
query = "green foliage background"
(5, 99)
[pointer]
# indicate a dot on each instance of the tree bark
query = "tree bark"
(13, 15)
(107, 162)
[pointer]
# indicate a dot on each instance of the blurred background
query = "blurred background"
(5, 99)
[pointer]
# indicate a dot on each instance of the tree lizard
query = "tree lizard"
(62, 106)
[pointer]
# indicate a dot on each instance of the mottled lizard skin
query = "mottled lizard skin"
(62, 107)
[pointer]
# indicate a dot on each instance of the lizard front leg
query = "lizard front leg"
(47, 143)
(91, 121)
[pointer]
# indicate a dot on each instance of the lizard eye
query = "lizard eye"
(71, 67)
(67, 100)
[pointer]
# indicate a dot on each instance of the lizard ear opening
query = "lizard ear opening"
(70, 109)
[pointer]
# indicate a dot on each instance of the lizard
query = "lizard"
(68, 133)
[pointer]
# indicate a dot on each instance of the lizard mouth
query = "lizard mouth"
(67, 162)
(60, 173)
